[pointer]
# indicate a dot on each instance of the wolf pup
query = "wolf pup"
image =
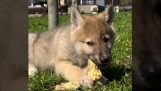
(67, 49)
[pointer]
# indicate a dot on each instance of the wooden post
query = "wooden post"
(74, 3)
(53, 18)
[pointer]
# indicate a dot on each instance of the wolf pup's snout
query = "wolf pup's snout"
(104, 59)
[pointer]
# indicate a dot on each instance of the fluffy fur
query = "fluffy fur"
(67, 49)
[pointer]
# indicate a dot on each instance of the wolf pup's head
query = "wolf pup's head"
(93, 35)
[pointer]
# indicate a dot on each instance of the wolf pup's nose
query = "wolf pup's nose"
(104, 59)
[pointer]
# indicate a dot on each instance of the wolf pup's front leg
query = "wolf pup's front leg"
(32, 69)
(73, 73)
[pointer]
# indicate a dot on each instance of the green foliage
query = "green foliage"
(44, 81)
(119, 2)
(125, 2)
(118, 74)
(40, 24)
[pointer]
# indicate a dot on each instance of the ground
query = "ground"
(119, 74)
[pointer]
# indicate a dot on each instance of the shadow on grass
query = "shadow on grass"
(115, 72)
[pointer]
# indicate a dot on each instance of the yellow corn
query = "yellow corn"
(93, 72)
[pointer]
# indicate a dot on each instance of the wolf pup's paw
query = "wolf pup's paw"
(86, 82)
(32, 71)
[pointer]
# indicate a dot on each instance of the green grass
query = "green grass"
(118, 74)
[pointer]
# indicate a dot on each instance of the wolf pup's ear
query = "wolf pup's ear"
(107, 15)
(76, 18)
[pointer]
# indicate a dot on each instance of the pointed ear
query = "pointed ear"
(107, 15)
(76, 18)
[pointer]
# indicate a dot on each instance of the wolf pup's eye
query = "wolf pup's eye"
(106, 38)
(90, 43)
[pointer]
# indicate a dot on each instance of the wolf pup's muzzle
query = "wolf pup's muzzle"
(102, 60)
(105, 60)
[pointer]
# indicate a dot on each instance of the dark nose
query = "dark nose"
(105, 59)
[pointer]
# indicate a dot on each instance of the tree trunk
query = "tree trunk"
(74, 3)
(53, 19)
